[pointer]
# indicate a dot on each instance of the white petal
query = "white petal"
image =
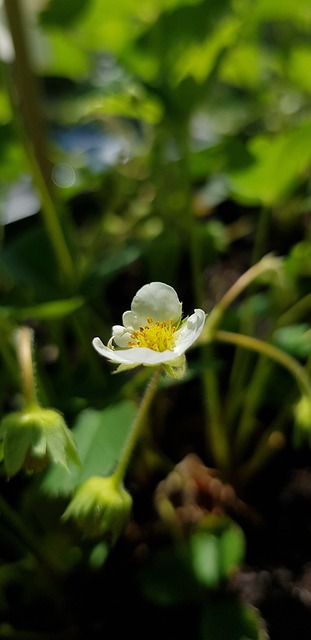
(156, 300)
(121, 336)
(138, 355)
(190, 331)
(130, 320)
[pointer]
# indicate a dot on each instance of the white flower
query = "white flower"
(153, 331)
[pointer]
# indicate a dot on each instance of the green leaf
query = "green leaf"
(296, 339)
(299, 67)
(110, 25)
(229, 619)
(30, 262)
(216, 552)
(16, 447)
(99, 437)
(242, 67)
(168, 578)
(298, 262)
(298, 11)
(278, 163)
(183, 573)
(61, 57)
(58, 12)
(104, 270)
(184, 42)
(48, 310)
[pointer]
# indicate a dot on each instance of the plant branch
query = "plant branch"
(272, 352)
(267, 263)
(137, 425)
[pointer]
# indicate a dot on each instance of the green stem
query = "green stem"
(137, 425)
(214, 429)
(252, 399)
(268, 263)
(26, 102)
(262, 229)
(215, 436)
(24, 349)
(193, 234)
(272, 441)
(272, 352)
(268, 446)
(25, 91)
(54, 229)
(294, 313)
(239, 373)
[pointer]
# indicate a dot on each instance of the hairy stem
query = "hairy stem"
(24, 349)
(137, 426)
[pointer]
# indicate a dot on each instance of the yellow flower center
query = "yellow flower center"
(158, 336)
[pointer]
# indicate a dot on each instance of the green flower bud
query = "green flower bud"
(34, 438)
(101, 508)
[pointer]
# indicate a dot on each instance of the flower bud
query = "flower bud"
(34, 438)
(101, 508)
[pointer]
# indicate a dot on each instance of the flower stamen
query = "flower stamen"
(158, 336)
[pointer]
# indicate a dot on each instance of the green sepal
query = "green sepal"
(101, 508)
(34, 438)
(176, 368)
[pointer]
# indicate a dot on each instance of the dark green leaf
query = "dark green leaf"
(168, 578)
(58, 12)
(229, 619)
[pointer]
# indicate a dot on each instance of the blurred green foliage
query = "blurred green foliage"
(147, 140)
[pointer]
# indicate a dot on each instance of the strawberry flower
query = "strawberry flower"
(153, 332)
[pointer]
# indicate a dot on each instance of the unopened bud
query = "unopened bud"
(101, 508)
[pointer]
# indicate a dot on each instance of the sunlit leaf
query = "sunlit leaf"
(110, 26)
(62, 57)
(278, 163)
(299, 66)
(243, 66)
(183, 42)
(284, 10)
(298, 262)
(198, 60)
